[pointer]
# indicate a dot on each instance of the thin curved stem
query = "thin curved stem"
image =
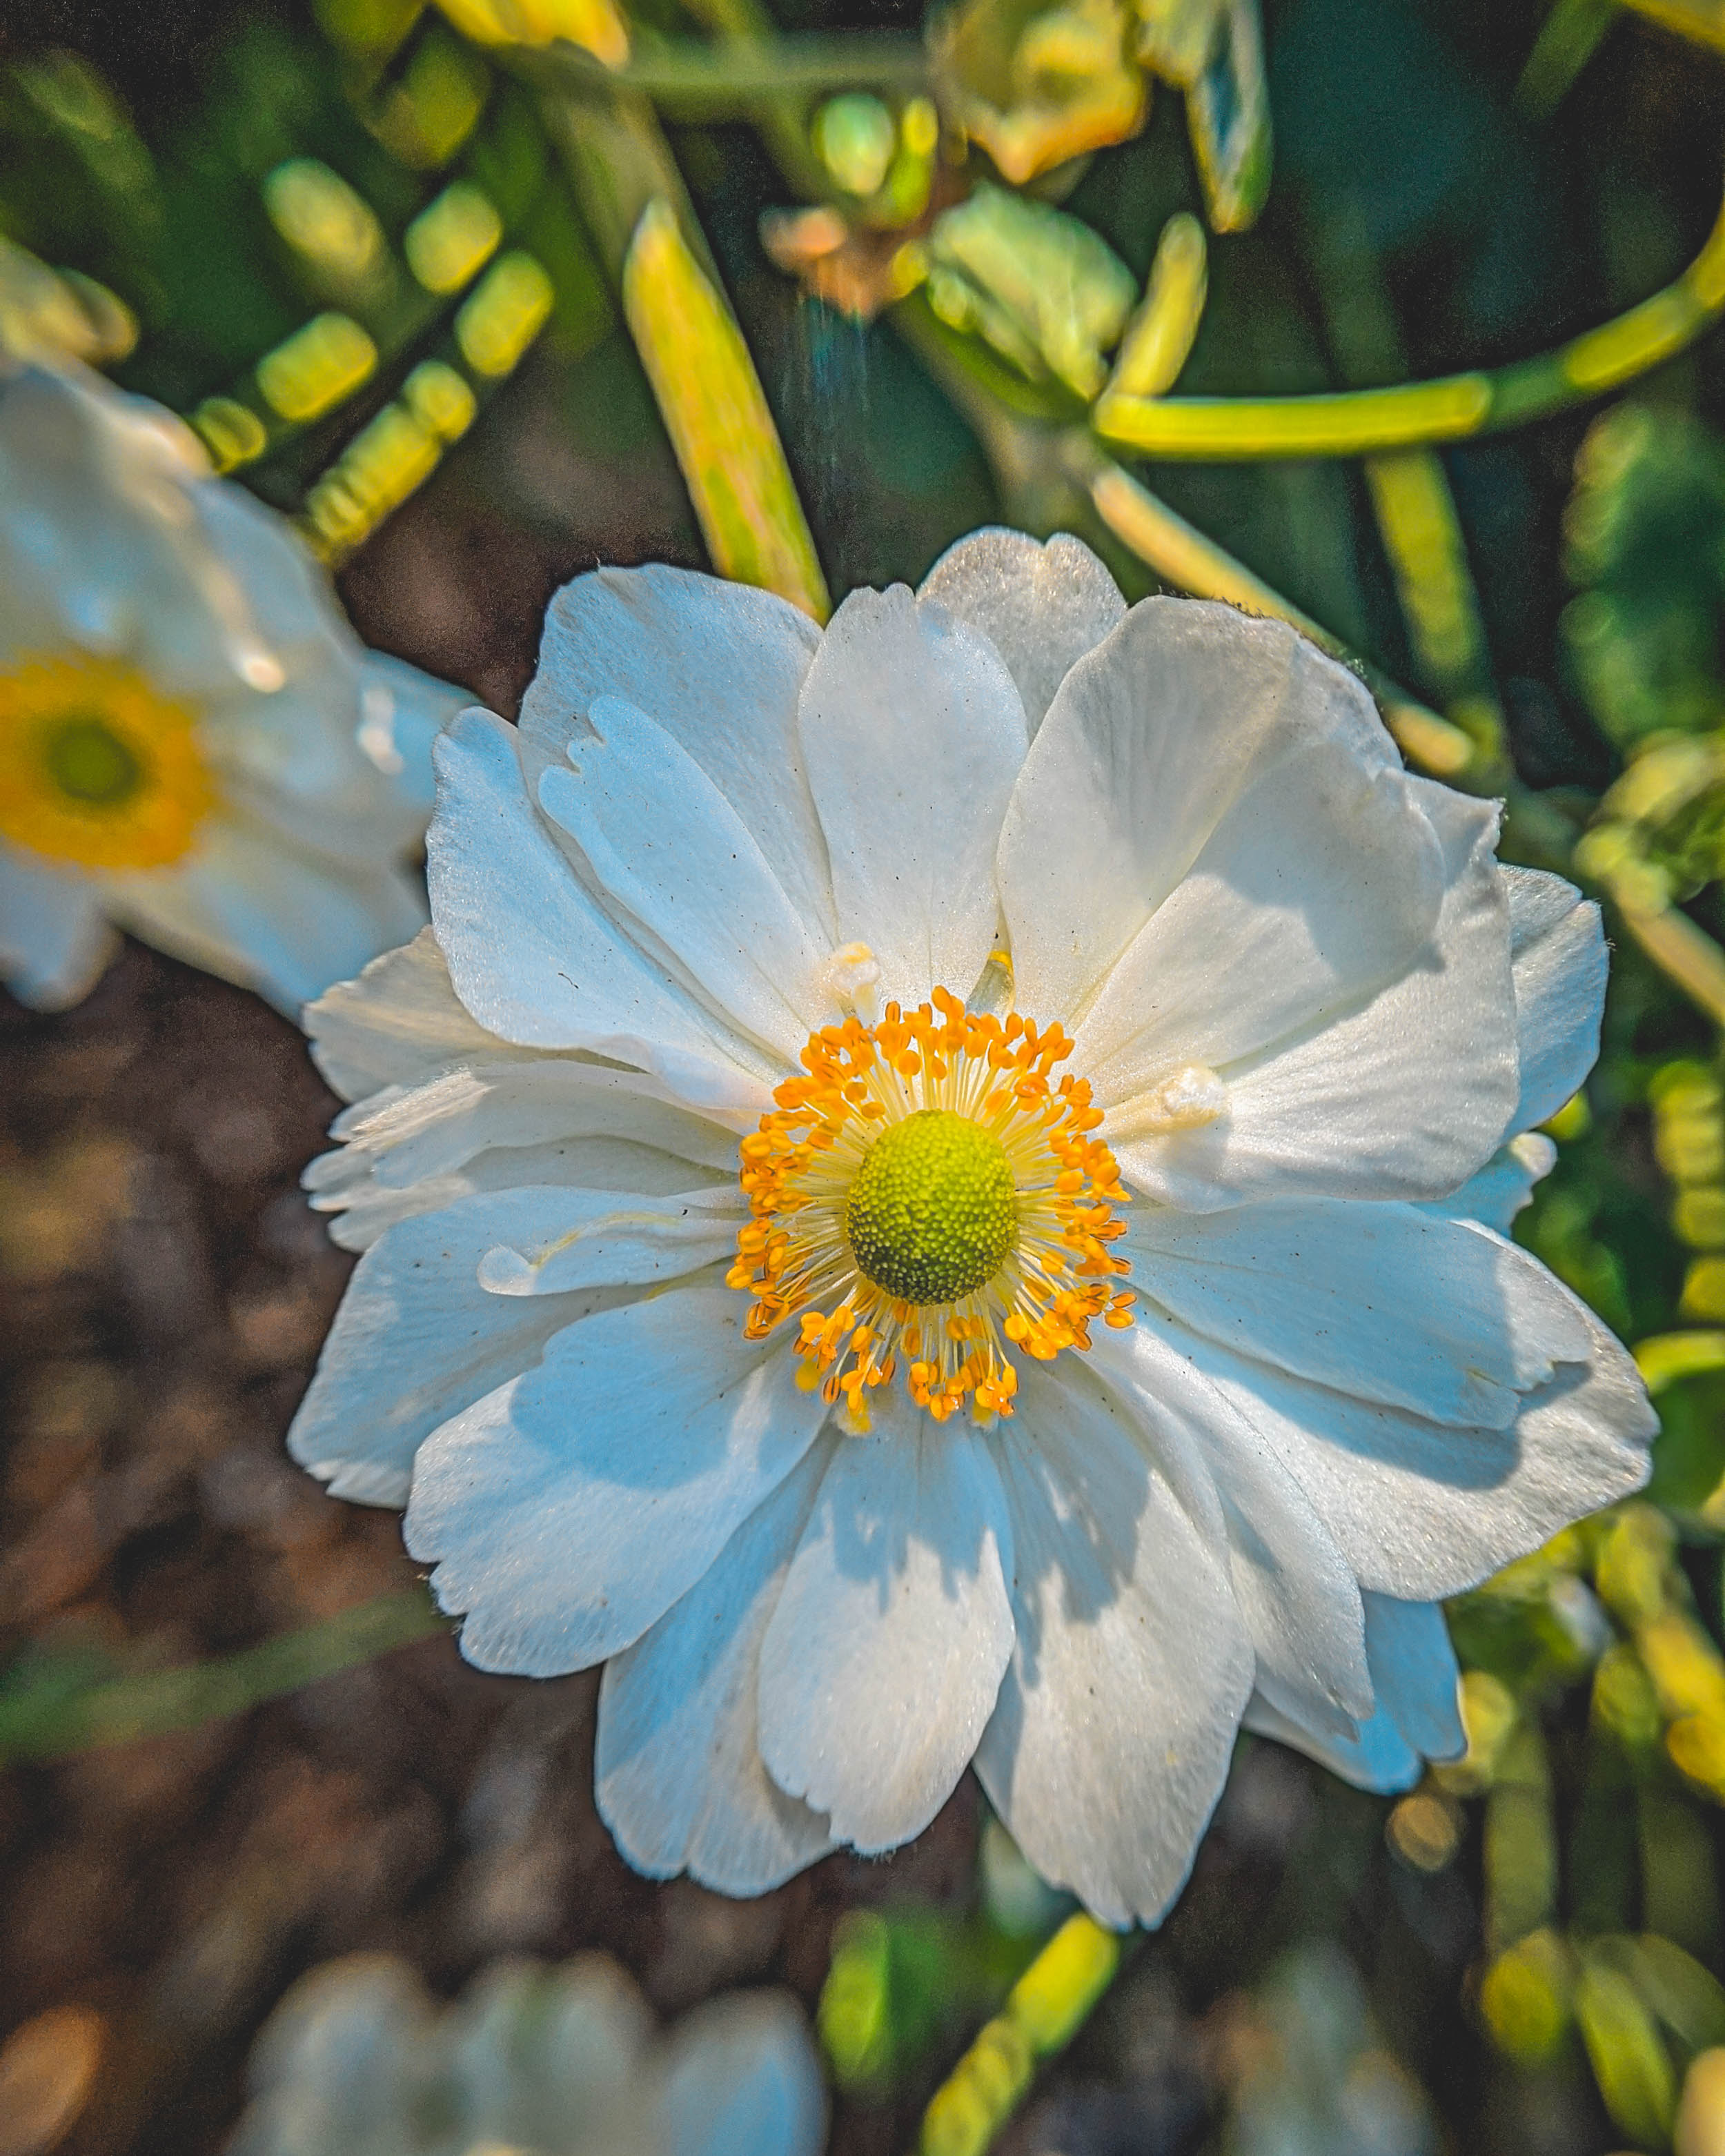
(1358, 422)
(43, 1716)
(743, 73)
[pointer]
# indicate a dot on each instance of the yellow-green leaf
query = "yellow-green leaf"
(716, 414)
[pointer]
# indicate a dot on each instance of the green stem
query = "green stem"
(1180, 554)
(1703, 20)
(1567, 40)
(743, 73)
(40, 1720)
(617, 159)
(1044, 2011)
(1356, 422)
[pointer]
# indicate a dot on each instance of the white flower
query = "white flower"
(835, 1532)
(193, 745)
(357, 2060)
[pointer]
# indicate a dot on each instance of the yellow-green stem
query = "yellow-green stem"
(1044, 2011)
(1357, 423)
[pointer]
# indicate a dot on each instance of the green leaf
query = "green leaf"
(1629, 2062)
(716, 414)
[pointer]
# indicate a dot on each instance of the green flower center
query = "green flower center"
(88, 762)
(933, 1212)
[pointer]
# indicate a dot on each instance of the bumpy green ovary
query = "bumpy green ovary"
(933, 1212)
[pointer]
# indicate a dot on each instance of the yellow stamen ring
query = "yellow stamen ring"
(928, 1191)
(97, 768)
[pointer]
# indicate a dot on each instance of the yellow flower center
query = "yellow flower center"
(96, 767)
(927, 1191)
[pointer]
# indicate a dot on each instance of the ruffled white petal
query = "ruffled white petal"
(719, 667)
(530, 953)
(912, 736)
(881, 1663)
(249, 906)
(677, 1766)
(1504, 1186)
(1041, 606)
(1152, 736)
(1417, 1719)
(1404, 1098)
(741, 2079)
(667, 848)
(550, 1119)
(1377, 1757)
(397, 1023)
(409, 1134)
(1293, 1586)
(1389, 1303)
(1422, 1510)
(567, 1510)
(54, 940)
(1557, 951)
(1320, 885)
(1115, 1721)
(419, 1337)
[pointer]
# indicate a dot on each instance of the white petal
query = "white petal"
(1418, 1718)
(668, 848)
(881, 1661)
(913, 734)
(248, 905)
(569, 1509)
(1116, 1718)
(530, 953)
(644, 1241)
(427, 1129)
(550, 1119)
(1377, 1757)
(340, 2063)
(677, 1768)
(365, 1208)
(418, 1338)
(1422, 1510)
(1152, 736)
(1414, 1674)
(719, 666)
(741, 2079)
(1504, 1186)
(54, 943)
(1386, 1302)
(402, 712)
(1293, 1586)
(1320, 885)
(1406, 1097)
(1557, 950)
(1041, 606)
(396, 1025)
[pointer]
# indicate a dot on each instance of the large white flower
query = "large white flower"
(357, 2061)
(193, 744)
(745, 1304)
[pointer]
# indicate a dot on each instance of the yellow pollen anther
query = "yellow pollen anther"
(928, 1191)
(97, 768)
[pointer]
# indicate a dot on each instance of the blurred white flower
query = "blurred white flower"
(193, 744)
(746, 1302)
(1313, 2077)
(358, 2060)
